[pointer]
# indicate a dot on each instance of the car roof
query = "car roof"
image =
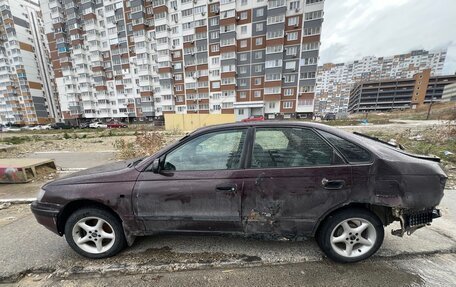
(271, 123)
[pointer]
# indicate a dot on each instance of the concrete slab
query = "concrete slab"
(77, 160)
(20, 170)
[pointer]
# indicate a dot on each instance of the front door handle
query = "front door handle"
(226, 187)
(333, 183)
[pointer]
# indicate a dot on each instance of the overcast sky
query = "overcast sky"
(356, 28)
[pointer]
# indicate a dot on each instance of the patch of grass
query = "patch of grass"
(434, 140)
(14, 140)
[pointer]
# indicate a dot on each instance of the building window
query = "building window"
(288, 105)
(244, 29)
(314, 15)
(243, 43)
(288, 92)
(258, 55)
(214, 35)
(242, 95)
(292, 36)
(291, 51)
(276, 19)
(243, 57)
(243, 70)
(243, 15)
(214, 21)
(257, 94)
(259, 27)
(272, 105)
(289, 78)
(273, 77)
(259, 12)
(272, 90)
(258, 68)
(243, 82)
(259, 41)
(215, 48)
(240, 111)
(294, 5)
(215, 85)
(293, 21)
(290, 65)
(257, 81)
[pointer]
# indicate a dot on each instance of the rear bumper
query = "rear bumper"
(421, 218)
(46, 214)
(414, 220)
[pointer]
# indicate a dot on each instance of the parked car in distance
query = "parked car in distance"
(31, 128)
(98, 125)
(253, 119)
(61, 126)
(330, 117)
(84, 125)
(284, 179)
(113, 125)
(46, 127)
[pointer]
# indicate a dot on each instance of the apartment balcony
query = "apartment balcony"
(71, 90)
(86, 88)
(80, 70)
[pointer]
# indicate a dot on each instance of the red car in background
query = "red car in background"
(253, 119)
(115, 125)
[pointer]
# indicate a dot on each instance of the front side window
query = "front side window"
(289, 147)
(213, 151)
(351, 151)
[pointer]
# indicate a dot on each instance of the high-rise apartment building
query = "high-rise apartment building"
(335, 81)
(27, 93)
(141, 59)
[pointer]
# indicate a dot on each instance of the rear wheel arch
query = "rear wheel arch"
(384, 213)
(72, 206)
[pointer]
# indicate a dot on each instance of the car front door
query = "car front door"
(198, 187)
(292, 178)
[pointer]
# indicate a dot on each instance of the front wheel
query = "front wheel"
(351, 235)
(94, 233)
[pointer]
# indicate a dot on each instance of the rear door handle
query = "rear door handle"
(226, 187)
(333, 183)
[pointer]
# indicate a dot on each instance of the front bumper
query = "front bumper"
(46, 214)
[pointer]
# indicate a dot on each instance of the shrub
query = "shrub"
(144, 144)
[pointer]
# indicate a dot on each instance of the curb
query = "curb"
(18, 200)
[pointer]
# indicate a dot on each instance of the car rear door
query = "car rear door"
(198, 188)
(293, 177)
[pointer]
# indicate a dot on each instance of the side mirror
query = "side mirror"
(156, 165)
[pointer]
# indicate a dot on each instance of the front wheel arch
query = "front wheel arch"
(71, 207)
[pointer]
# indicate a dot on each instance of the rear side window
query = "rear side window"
(351, 151)
(289, 147)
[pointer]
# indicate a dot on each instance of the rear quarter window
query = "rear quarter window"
(352, 152)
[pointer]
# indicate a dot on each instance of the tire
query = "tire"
(109, 236)
(339, 240)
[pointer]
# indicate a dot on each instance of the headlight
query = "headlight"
(40, 194)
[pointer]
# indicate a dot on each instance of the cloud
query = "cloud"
(356, 28)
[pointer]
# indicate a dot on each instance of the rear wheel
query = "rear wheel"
(351, 235)
(94, 233)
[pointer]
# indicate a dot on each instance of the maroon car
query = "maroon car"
(280, 179)
(115, 125)
(253, 119)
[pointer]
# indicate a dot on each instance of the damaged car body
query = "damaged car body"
(284, 179)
